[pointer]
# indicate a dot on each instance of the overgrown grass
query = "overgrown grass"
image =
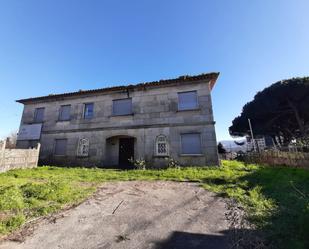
(275, 199)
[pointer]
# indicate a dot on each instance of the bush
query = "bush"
(11, 223)
(138, 163)
(172, 163)
(11, 198)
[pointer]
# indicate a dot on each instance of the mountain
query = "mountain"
(231, 146)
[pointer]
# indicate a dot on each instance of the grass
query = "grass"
(275, 199)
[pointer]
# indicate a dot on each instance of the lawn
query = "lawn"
(276, 200)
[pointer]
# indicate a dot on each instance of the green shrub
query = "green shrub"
(11, 198)
(172, 163)
(11, 223)
(138, 163)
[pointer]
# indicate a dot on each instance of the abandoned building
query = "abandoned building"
(106, 127)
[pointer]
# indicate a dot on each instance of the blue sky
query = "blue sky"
(61, 46)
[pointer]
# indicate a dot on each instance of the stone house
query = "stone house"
(105, 127)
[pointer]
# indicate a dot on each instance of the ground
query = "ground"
(273, 200)
(137, 214)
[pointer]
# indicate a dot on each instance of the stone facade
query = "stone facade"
(154, 112)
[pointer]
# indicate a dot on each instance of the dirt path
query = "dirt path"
(157, 215)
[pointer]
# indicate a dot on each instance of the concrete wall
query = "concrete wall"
(18, 158)
(155, 112)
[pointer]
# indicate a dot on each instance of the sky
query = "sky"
(54, 46)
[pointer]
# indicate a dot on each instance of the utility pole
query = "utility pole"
(252, 137)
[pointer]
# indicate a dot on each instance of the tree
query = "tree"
(280, 110)
(221, 149)
(11, 139)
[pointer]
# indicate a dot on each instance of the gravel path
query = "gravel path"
(155, 215)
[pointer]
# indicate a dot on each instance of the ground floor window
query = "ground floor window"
(83, 147)
(161, 146)
(191, 143)
(60, 147)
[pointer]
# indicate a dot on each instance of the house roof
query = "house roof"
(212, 77)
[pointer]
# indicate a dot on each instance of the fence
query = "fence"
(277, 158)
(18, 158)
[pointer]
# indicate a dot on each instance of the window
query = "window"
(83, 147)
(187, 100)
(161, 146)
(191, 143)
(122, 106)
(88, 111)
(39, 115)
(60, 147)
(64, 113)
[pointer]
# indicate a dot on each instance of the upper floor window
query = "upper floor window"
(187, 100)
(65, 112)
(88, 111)
(122, 106)
(191, 143)
(60, 147)
(39, 115)
(161, 146)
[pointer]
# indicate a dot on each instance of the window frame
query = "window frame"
(60, 113)
(166, 144)
(182, 153)
(35, 115)
(83, 142)
(188, 109)
(55, 146)
(84, 111)
(126, 114)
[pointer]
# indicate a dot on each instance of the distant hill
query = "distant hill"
(231, 146)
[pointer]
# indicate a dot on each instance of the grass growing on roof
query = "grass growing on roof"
(275, 199)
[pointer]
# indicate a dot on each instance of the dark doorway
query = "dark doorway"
(126, 151)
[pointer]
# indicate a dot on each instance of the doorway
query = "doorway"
(126, 151)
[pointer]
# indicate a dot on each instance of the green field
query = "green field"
(276, 200)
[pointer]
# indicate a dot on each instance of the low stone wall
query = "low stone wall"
(277, 158)
(18, 158)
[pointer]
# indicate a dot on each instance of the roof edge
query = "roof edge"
(212, 77)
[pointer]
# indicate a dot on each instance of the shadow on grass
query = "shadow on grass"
(276, 200)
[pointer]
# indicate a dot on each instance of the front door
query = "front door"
(126, 151)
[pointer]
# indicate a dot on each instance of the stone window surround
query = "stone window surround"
(157, 154)
(125, 114)
(54, 149)
(84, 109)
(197, 107)
(60, 113)
(36, 114)
(83, 145)
(189, 154)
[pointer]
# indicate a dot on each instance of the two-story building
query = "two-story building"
(105, 127)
